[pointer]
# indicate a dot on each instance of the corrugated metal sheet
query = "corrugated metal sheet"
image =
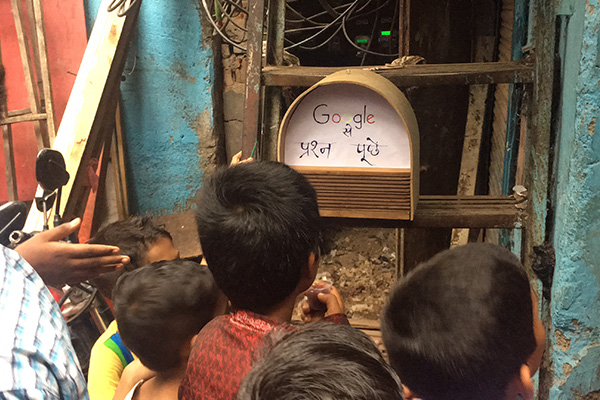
(500, 110)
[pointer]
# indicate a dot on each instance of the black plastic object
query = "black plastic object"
(12, 218)
(50, 169)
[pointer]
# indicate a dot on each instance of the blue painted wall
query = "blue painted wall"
(576, 289)
(167, 106)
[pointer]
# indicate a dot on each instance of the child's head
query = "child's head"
(141, 239)
(322, 361)
(259, 228)
(160, 307)
(463, 326)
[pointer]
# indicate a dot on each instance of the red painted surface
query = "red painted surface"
(66, 41)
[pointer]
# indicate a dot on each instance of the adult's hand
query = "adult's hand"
(59, 262)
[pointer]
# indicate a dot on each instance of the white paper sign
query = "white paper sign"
(346, 125)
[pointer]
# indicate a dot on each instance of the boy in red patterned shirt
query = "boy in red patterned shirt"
(259, 228)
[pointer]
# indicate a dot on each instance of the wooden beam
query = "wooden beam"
(413, 75)
(42, 57)
(251, 124)
(90, 111)
(23, 118)
(451, 212)
(478, 95)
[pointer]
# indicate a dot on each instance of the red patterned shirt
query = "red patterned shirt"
(225, 350)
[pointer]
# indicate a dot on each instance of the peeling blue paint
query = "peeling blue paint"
(167, 98)
(576, 287)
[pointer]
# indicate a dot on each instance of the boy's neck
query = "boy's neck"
(283, 312)
(164, 385)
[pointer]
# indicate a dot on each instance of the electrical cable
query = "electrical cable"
(364, 56)
(341, 16)
(310, 19)
(334, 34)
(225, 37)
(120, 4)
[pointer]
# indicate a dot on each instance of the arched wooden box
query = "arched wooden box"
(354, 135)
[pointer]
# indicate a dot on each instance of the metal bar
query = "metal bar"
(404, 28)
(251, 125)
(414, 75)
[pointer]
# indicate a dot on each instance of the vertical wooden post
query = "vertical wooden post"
(32, 94)
(404, 28)
(272, 101)
(9, 156)
(40, 33)
(251, 125)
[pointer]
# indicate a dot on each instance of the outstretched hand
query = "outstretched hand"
(59, 262)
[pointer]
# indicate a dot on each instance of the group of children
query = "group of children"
(463, 325)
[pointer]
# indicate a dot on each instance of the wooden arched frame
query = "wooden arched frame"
(380, 193)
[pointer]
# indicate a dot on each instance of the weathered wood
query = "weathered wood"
(120, 161)
(42, 55)
(404, 28)
(32, 94)
(452, 212)
(23, 118)
(9, 163)
(252, 106)
(91, 107)
(414, 75)
(478, 94)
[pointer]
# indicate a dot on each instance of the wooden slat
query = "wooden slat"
(452, 212)
(23, 118)
(414, 75)
(42, 55)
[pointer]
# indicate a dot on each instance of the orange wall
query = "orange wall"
(66, 41)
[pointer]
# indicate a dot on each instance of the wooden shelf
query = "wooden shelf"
(414, 75)
(452, 212)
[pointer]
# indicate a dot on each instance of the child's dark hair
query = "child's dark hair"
(320, 362)
(161, 306)
(133, 236)
(258, 223)
(460, 326)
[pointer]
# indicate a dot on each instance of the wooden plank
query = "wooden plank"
(32, 94)
(451, 212)
(9, 163)
(91, 106)
(251, 124)
(413, 75)
(23, 118)
(40, 33)
(120, 161)
(478, 94)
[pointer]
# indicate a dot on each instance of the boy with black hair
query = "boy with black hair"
(160, 308)
(259, 228)
(145, 242)
(464, 325)
(322, 362)
(142, 239)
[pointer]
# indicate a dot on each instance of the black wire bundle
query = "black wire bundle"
(222, 13)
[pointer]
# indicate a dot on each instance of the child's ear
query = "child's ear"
(525, 384)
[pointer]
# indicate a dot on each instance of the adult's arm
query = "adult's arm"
(59, 262)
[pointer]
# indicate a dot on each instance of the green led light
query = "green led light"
(386, 33)
(361, 41)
